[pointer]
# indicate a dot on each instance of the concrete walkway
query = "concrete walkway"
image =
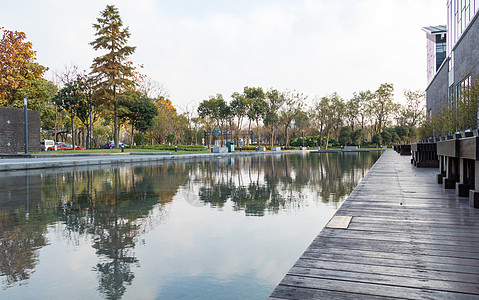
(408, 238)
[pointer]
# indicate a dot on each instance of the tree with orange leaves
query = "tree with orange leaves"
(20, 74)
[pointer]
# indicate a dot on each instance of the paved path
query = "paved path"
(408, 238)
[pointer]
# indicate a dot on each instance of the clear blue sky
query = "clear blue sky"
(200, 48)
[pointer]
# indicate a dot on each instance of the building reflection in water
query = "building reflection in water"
(114, 207)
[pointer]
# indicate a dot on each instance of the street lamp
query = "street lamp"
(25, 116)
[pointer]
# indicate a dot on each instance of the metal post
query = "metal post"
(25, 116)
(90, 130)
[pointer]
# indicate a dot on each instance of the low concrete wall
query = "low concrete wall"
(350, 148)
(219, 150)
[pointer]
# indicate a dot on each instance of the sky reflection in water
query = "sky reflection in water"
(212, 229)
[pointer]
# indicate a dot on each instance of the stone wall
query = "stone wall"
(12, 139)
(436, 92)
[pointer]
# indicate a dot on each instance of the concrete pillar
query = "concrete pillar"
(474, 193)
(452, 173)
(466, 177)
(442, 169)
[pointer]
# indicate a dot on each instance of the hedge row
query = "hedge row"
(172, 147)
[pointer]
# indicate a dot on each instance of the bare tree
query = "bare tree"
(153, 89)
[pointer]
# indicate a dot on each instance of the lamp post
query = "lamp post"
(25, 116)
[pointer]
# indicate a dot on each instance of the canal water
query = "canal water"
(225, 228)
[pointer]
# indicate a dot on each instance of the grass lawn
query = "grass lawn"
(93, 151)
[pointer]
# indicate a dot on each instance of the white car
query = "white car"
(46, 144)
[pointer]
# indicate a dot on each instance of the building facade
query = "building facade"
(460, 66)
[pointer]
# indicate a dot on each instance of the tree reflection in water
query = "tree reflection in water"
(268, 184)
(20, 235)
(113, 207)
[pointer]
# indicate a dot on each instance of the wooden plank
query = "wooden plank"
(412, 258)
(403, 280)
(286, 292)
(339, 222)
(374, 289)
(388, 261)
(362, 267)
(407, 238)
(395, 247)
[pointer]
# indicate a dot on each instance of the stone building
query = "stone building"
(457, 45)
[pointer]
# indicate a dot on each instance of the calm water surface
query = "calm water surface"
(228, 228)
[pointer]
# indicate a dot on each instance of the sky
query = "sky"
(199, 48)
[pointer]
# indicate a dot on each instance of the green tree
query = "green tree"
(356, 137)
(345, 136)
(257, 107)
(413, 113)
(402, 132)
(239, 108)
(274, 100)
(351, 110)
(364, 99)
(332, 112)
(70, 98)
(377, 139)
(293, 105)
(138, 110)
(318, 116)
(209, 111)
(111, 71)
(224, 117)
(382, 105)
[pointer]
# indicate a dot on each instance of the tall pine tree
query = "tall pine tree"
(111, 72)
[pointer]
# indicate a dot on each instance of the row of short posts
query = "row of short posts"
(458, 161)
(424, 155)
(403, 149)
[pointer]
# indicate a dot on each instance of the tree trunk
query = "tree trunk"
(272, 136)
(73, 129)
(115, 119)
(56, 124)
(249, 130)
(287, 135)
(327, 141)
(321, 137)
(115, 127)
(257, 133)
(209, 138)
(132, 140)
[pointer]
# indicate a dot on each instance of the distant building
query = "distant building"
(452, 54)
(436, 49)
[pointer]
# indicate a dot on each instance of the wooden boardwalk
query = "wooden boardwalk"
(408, 238)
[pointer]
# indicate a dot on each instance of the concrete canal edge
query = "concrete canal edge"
(398, 235)
(44, 161)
